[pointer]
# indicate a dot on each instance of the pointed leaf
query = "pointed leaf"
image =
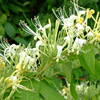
(97, 68)
(87, 59)
(67, 70)
(21, 40)
(10, 30)
(49, 93)
(73, 91)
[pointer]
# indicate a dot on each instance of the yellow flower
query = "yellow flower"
(1, 59)
(18, 66)
(81, 20)
(90, 13)
(2, 64)
(97, 35)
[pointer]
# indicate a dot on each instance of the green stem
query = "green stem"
(44, 69)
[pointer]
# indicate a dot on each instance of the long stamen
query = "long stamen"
(26, 28)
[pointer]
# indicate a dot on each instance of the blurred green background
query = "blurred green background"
(12, 11)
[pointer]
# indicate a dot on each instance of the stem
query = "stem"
(2, 94)
(44, 69)
(11, 93)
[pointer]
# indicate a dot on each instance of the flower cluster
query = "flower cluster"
(84, 91)
(76, 33)
(53, 44)
(18, 59)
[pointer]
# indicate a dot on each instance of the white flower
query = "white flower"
(12, 81)
(73, 17)
(59, 51)
(90, 34)
(80, 86)
(67, 40)
(31, 62)
(82, 12)
(26, 28)
(78, 44)
(61, 15)
(39, 26)
(87, 28)
(79, 26)
(38, 43)
(22, 56)
(47, 26)
(67, 22)
(26, 60)
(65, 97)
(4, 43)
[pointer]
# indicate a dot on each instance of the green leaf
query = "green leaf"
(5, 7)
(13, 8)
(97, 67)
(54, 81)
(49, 93)
(73, 91)
(2, 31)
(3, 18)
(21, 40)
(27, 95)
(0, 1)
(10, 30)
(67, 70)
(87, 59)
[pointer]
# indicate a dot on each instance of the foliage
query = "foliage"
(12, 11)
(61, 54)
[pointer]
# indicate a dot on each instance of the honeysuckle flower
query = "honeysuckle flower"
(79, 26)
(90, 13)
(65, 97)
(13, 81)
(78, 44)
(26, 60)
(67, 23)
(88, 28)
(18, 66)
(4, 43)
(80, 86)
(82, 12)
(2, 63)
(22, 56)
(63, 91)
(31, 63)
(38, 43)
(61, 16)
(67, 40)
(80, 20)
(70, 21)
(39, 27)
(90, 34)
(26, 28)
(2, 57)
(73, 17)
(59, 51)
(11, 51)
(8, 50)
(97, 34)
